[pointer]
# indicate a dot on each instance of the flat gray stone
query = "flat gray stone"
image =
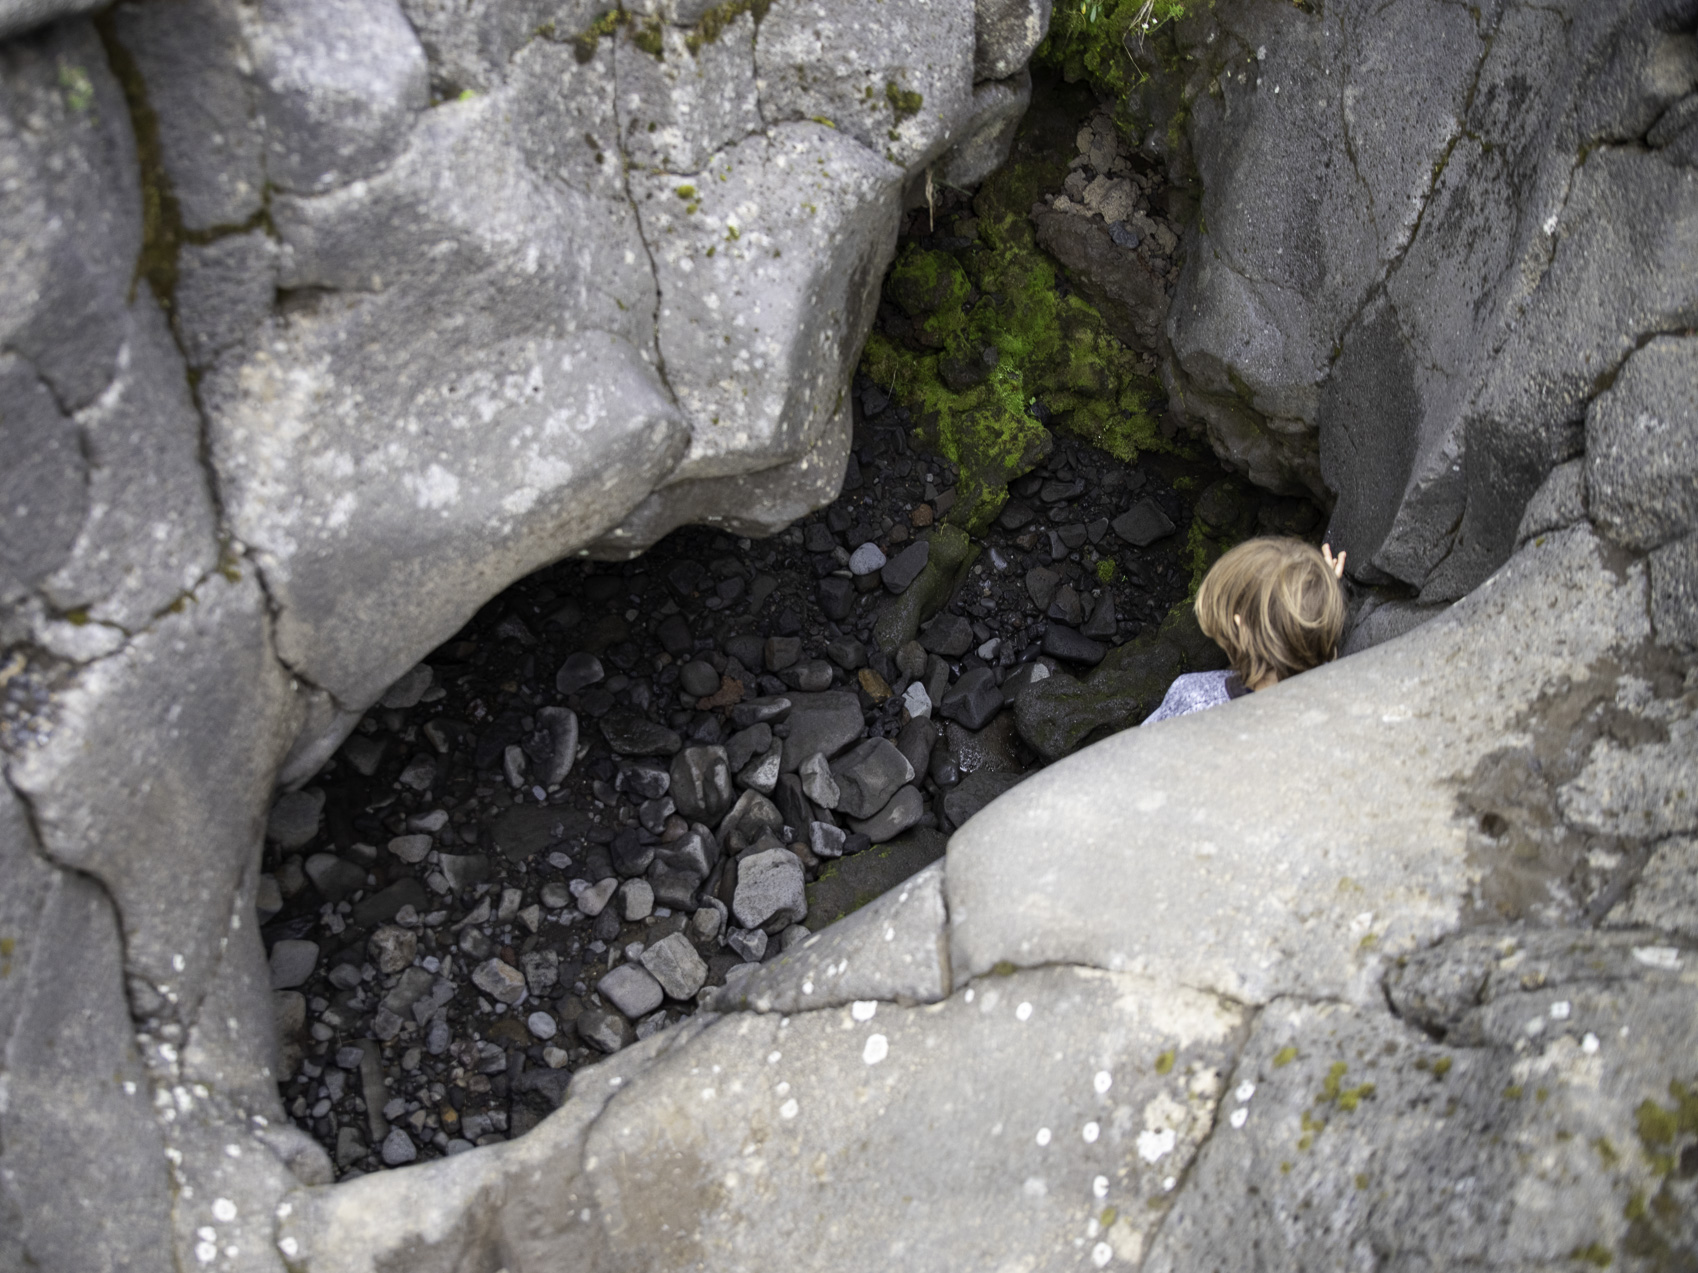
(973, 700)
(1143, 524)
(292, 962)
(902, 569)
(294, 818)
(1642, 447)
(770, 890)
(868, 559)
(632, 990)
(674, 963)
(868, 776)
(500, 981)
(823, 723)
(905, 809)
(630, 734)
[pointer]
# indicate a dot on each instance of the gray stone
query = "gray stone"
(761, 773)
(604, 1029)
(973, 699)
(905, 809)
(560, 724)
(630, 734)
(1067, 606)
(1041, 583)
(701, 783)
(901, 570)
(781, 652)
(698, 679)
(386, 903)
(398, 1149)
(826, 840)
(594, 899)
(771, 710)
(541, 1025)
(770, 890)
(1666, 893)
(1102, 625)
(1005, 34)
(1385, 622)
(693, 854)
(1073, 646)
(335, 878)
(409, 689)
(746, 744)
(1559, 502)
(1642, 447)
(916, 741)
(1143, 524)
(292, 962)
(750, 945)
(810, 676)
(949, 635)
(821, 724)
(868, 776)
(817, 782)
(392, 949)
(1674, 593)
(868, 559)
(500, 981)
(294, 819)
(894, 947)
(631, 990)
(463, 871)
(579, 672)
(674, 963)
(911, 659)
(752, 815)
(636, 900)
(225, 290)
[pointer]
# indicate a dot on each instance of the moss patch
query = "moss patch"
(712, 24)
(1095, 41)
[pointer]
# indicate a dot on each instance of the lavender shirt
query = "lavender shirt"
(1195, 691)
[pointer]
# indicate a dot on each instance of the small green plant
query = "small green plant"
(79, 89)
(1106, 41)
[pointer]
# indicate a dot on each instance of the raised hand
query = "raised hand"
(1337, 563)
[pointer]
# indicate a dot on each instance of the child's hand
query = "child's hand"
(1337, 563)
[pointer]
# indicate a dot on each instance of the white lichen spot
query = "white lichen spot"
(969, 996)
(205, 1252)
(1101, 1254)
(1090, 1132)
(223, 1210)
(807, 987)
(1099, 1187)
(289, 1247)
(1103, 1081)
(863, 1009)
(1561, 1009)
(438, 488)
(878, 1047)
(1550, 225)
(1034, 1187)
(789, 1109)
(773, 1058)
(1156, 1145)
(1657, 956)
(1023, 1012)
(1589, 1044)
(1168, 1184)
(1244, 1091)
(1239, 1117)
(1043, 1136)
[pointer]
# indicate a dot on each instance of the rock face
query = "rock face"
(1421, 323)
(320, 323)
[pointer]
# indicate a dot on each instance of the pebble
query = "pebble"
(698, 679)
(1143, 524)
(916, 702)
(541, 1025)
(500, 981)
(292, 962)
(407, 691)
(398, 1149)
(770, 889)
(294, 818)
(631, 989)
(905, 809)
(636, 900)
(868, 776)
(605, 1030)
(674, 963)
(973, 700)
(1065, 643)
(817, 782)
(750, 945)
(411, 849)
(868, 559)
(579, 672)
(826, 840)
(901, 570)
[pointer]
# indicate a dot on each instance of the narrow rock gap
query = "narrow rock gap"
(588, 810)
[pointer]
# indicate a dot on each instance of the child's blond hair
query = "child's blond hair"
(1275, 606)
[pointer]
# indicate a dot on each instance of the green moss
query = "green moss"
(1441, 1067)
(78, 88)
(162, 222)
(649, 37)
(712, 24)
(1164, 1062)
(584, 43)
(1105, 570)
(1593, 1254)
(1284, 1057)
(1003, 968)
(904, 103)
(1093, 41)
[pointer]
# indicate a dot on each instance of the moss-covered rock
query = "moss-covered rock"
(952, 552)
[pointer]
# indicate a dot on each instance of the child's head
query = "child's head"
(1275, 606)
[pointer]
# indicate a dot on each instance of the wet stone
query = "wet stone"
(901, 570)
(836, 597)
(1143, 524)
(1041, 583)
(905, 810)
(949, 635)
(701, 783)
(632, 735)
(973, 700)
(631, 989)
(578, 672)
(869, 775)
(781, 652)
(1068, 644)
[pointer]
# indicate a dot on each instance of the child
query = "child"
(1276, 607)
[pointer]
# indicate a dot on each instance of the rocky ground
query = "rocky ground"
(622, 784)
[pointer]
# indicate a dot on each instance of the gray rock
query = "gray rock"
(911, 659)
(674, 963)
(560, 725)
(1005, 34)
(292, 962)
(761, 773)
(781, 652)
(1073, 646)
(636, 900)
(1674, 593)
(770, 890)
(392, 949)
(693, 853)
(294, 818)
(848, 653)
(463, 871)
(817, 781)
(1143, 524)
(750, 945)
(407, 691)
(1102, 625)
(746, 744)
(949, 635)
(1067, 606)
(1666, 893)
(868, 776)
(631, 990)
(604, 1029)
(826, 840)
(594, 899)
(701, 783)
(542, 971)
(579, 672)
(500, 981)
(398, 1149)
(868, 559)
(771, 710)
(1041, 583)
(630, 734)
(810, 676)
(752, 815)
(1642, 447)
(905, 809)
(973, 700)
(1559, 502)
(541, 1025)
(821, 724)
(901, 570)
(334, 877)
(1386, 622)
(698, 679)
